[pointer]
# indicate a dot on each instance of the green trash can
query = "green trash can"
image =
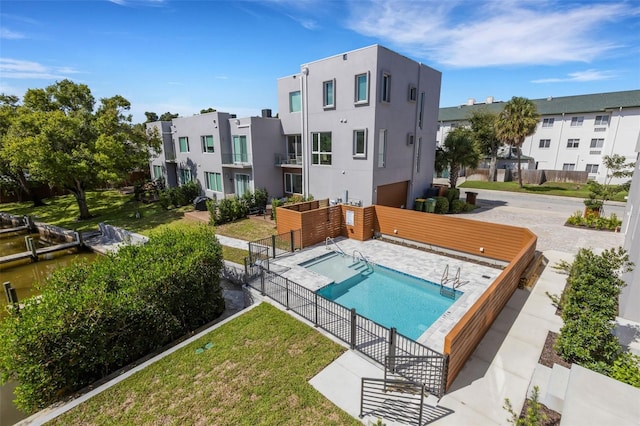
(430, 205)
(419, 204)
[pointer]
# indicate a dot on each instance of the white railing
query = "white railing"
(332, 241)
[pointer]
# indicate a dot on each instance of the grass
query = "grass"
(257, 372)
(548, 188)
(233, 254)
(247, 229)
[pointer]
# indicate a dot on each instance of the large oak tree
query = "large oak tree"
(60, 138)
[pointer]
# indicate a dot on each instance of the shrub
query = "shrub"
(533, 416)
(452, 194)
(189, 191)
(93, 319)
(227, 210)
(469, 207)
(275, 203)
(442, 205)
(260, 198)
(458, 206)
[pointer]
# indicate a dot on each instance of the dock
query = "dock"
(39, 252)
(16, 229)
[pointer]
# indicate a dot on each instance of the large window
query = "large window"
(597, 143)
(157, 172)
(592, 169)
(360, 143)
(602, 120)
(294, 149)
(568, 166)
(240, 154)
(362, 88)
(385, 92)
(242, 184)
(321, 148)
(418, 149)
(293, 183)
(544, 143)
(382, 148)
(183, 141)
(548, 122)
(185, 176)
(328, 94)
(207, 143)
(295, 102)
(573, 143)
(576, 121)
(213, 181)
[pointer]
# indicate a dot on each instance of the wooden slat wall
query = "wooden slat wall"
(467, 334)
(319, 224)
(363, 227)
(500, 242)
(288, 220)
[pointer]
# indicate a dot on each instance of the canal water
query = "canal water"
(23, 276)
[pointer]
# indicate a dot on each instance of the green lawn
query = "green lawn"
(256, 373)
(547, 188)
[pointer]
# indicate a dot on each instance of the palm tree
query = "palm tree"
(517, 120)
(459, 150)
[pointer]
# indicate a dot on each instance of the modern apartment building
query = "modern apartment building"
(360, 127)
(224, 154)
(574, 132)
(630, 296)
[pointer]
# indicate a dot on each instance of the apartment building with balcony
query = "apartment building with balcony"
(224, 154)
(574, 132)
(359, 127)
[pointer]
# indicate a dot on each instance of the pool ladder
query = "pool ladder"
(455, 281)
(332, 241)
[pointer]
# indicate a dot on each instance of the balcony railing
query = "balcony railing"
(240, 159)
(170, 156)
(290, 159)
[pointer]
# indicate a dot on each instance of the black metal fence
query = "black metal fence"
(274, 246)
(427, 367)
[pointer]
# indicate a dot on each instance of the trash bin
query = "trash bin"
(419, 204)
(430, 205)
(200, 203)
(471, 197)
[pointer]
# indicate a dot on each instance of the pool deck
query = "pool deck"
(474, 278)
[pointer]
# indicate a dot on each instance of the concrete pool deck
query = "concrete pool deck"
(474, 277)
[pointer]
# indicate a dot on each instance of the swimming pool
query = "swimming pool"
(388, 297)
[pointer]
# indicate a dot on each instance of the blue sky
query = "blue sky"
(182, 56)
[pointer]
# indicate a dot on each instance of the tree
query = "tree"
(517, 120)
(151, 117)
(204, 111)
(59, 138)
(13, 177)
(484, 131)
(617, 168)
(459, 150)
(168, 116)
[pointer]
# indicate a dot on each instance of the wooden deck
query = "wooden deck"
(39, 252)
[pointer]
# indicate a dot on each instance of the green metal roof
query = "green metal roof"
(553, 106)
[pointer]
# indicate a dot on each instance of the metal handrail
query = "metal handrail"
(326, 244)
(361, 257)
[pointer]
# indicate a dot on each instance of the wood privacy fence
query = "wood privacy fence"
(493, 241)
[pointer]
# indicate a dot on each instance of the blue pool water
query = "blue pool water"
(388, 297)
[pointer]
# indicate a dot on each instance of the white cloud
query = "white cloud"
(139, 2)
(465, 34)
(7, 34)
(20, 69)
(579, 77)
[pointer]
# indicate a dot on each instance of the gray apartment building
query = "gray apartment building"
(360, 127)
(224, 154)
(630, 296)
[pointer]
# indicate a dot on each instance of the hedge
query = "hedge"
(93, 319)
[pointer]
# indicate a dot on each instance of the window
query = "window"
(362, 88)
(294, 149)
(185, 176)
(421, 111)
(242, 184)
(382, 148)
(385, 92)
(207, 143)
(548, 122)
(328, 94)
(573, 143)
(597, 143)
(418, 149)
(240, 154)
(544, 143)
(293, 183)
(295, 103)
(184, 143)
(157, 172)
(602, 120)
(213, 181)
(592, 169)
(410, 138)
(576, 121)
(413, 93)
(568, 167)
(359, 143)
(321, 148)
